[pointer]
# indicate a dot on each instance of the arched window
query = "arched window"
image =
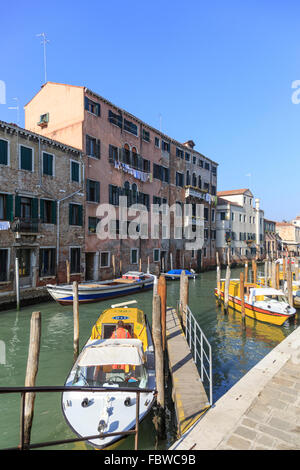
(194, 180)
(188, 179)
(134, 192)
(135, 162)
(126, 154)
(199, 181)
(127, 192)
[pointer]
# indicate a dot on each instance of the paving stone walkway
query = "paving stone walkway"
(260, 412)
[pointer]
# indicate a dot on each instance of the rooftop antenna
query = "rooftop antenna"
(17, 108)
(44, 42)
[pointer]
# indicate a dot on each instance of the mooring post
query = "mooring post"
(159, 420)
(290, 284)
(120, 267)
(148, 265)
(218, 278)
(68, 270)
(242, 296)
(254, 270)
(273, 275)
(277, 275)
(265, 272)
(162, 292)
(246, 271)
(114, 265)
(283, 268)
(17, 274)
(226, 288)
(184, 296)
(75, 320)
(140, 265)
(31, 372)
(296, 270)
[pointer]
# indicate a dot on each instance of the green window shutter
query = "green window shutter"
(80, 216)
(42, 210)
(35, 208)
(9, 207)
(110, 189)
(75, 171)
(3, 152)
(87, 189)
(53, 212)
(26, 158)
(48, 164)
(70, 214)
(17, 206)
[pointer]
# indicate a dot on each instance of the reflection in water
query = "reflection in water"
(235, 351)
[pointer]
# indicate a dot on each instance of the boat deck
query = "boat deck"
(188, 392)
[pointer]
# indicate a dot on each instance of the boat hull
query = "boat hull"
(64, 295)
(254, 312)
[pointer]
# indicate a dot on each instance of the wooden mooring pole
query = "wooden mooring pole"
(254, 271)
(277, 276)
(218, 278)
(226, 288)
(68, 271)
(31, 372)
(159, 419)
(75, 320)
(242, 297)
(17, 274)
(290, 284)
(184, 297)
(162, 292)
(246, 271)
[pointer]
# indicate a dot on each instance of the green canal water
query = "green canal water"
(235, 351)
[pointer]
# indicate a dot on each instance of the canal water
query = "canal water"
(235, 351)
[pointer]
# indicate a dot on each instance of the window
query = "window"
(75, 214)
(75, 260)
(179, 153)
(4, 265)
(47, 262)
(213, 190)
(114, 192)
(194, 180)
(3, 152)
(92, 191)
(156, 142)
(206, 186)
(92, 147)
(200, 163)
(214, 170)
(105, 259)
(48, 211)
(187, 157)
(92, 224)
(92, 106)
(165, 146)
(213, 215)
(188, 178)
(222, 215)
(179, 179)
(160, 172)
(26, 158)
(48, 161)
(115, 119)
(134, 255)
(156, 255)
(206, 166)
(130, 127)
(194, 160)
(6, 207)
(75, 173)
(146, 135)
(206, 213)
(113, 153)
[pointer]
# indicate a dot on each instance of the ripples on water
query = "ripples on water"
(235, 351)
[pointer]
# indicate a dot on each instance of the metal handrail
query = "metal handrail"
(25, 390)
(197, 342)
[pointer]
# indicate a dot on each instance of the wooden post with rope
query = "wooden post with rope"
(242, 297)
(162, 292)
(159, 418)
(75, 320)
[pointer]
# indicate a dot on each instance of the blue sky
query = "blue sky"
(219, 73)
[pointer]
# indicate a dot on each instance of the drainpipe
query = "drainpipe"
(257, 218)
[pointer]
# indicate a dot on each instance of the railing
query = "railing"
(28, 225)
(25, 390)
(199, 347)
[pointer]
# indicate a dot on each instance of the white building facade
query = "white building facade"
(239, 226)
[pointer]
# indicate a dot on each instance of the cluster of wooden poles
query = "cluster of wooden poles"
(249, 279)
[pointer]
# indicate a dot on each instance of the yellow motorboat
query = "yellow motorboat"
(261, 303)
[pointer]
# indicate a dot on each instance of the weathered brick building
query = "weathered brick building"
(41, 209)
(289, 233)
(126, 157)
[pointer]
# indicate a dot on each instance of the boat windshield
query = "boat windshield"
(115, 375)
(277, 298)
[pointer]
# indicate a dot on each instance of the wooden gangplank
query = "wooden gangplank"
(188, 392)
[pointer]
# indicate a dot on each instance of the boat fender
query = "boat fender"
(102, 425)
(85, 402)
(127, 401)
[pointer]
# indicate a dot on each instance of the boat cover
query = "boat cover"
(106, 352)
(178, 271)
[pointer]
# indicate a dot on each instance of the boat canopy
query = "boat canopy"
(178, 271)
(113, 351)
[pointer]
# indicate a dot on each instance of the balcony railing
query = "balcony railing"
(25, 225)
